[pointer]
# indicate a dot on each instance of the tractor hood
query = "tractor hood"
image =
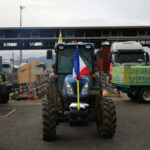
(70, 78)
(70, 86)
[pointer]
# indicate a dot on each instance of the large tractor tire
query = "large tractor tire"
(51, 89)
(144, 95)
(106, 118)
(49, 120)
(4, 98)
(133, 97)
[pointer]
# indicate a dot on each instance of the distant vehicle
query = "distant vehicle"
(5, 86)
(7, 67)
(5, 89)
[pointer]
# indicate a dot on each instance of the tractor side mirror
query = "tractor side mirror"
(100, 54)
(49, 54)
(147, 57)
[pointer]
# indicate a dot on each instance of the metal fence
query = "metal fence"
(21, 91)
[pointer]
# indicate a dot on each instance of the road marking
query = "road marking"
(9, 113)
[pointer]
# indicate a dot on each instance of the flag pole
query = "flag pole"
(77, 70)
(78, 94)
(78, 89)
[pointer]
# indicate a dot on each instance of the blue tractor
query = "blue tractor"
(61, 104)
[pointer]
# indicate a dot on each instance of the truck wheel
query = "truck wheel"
(49, 120)
(106, 118)
(4, 98)
(133, 97)
(144, 95)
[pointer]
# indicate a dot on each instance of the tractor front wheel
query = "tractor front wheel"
(106, 118)
(49, 120)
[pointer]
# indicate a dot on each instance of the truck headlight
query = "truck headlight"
(69, 89)
(85, 89)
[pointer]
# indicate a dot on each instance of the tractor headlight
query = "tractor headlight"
(61, 47)
(88, 46)
(85, 89)
(69, 89)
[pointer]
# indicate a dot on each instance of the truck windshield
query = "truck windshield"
(132, 57)
(6, 65)
(65, 59)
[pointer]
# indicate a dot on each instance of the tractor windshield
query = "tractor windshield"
(65, 59)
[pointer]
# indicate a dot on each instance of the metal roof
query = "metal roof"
(75, 44)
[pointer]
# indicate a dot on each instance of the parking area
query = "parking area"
(22, 129)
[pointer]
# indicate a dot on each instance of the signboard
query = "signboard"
(131, 75)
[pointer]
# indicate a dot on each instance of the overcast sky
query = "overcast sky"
(75, 13)
(41, 13)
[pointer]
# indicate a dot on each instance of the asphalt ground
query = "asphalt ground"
(22, 129)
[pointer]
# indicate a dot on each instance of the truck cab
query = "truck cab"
(128, 53)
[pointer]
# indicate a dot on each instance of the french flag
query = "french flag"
(79, 66)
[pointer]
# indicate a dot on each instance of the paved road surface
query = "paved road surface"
(22, 130)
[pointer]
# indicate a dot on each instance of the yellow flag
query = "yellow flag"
(78, 95)
(60, 38)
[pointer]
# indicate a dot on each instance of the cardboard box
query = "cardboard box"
(28, 72)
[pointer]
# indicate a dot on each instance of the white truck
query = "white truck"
(130, 53)
(130, 70)
(7, 67)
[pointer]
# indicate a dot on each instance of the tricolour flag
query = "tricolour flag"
(80, 67)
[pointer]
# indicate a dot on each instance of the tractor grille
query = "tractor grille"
(74, 85)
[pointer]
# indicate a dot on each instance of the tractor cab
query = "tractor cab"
(63, 68)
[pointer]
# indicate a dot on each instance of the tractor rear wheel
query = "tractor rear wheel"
(49, 120)
(106, 118)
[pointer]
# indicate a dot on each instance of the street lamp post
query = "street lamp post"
(21, 8)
